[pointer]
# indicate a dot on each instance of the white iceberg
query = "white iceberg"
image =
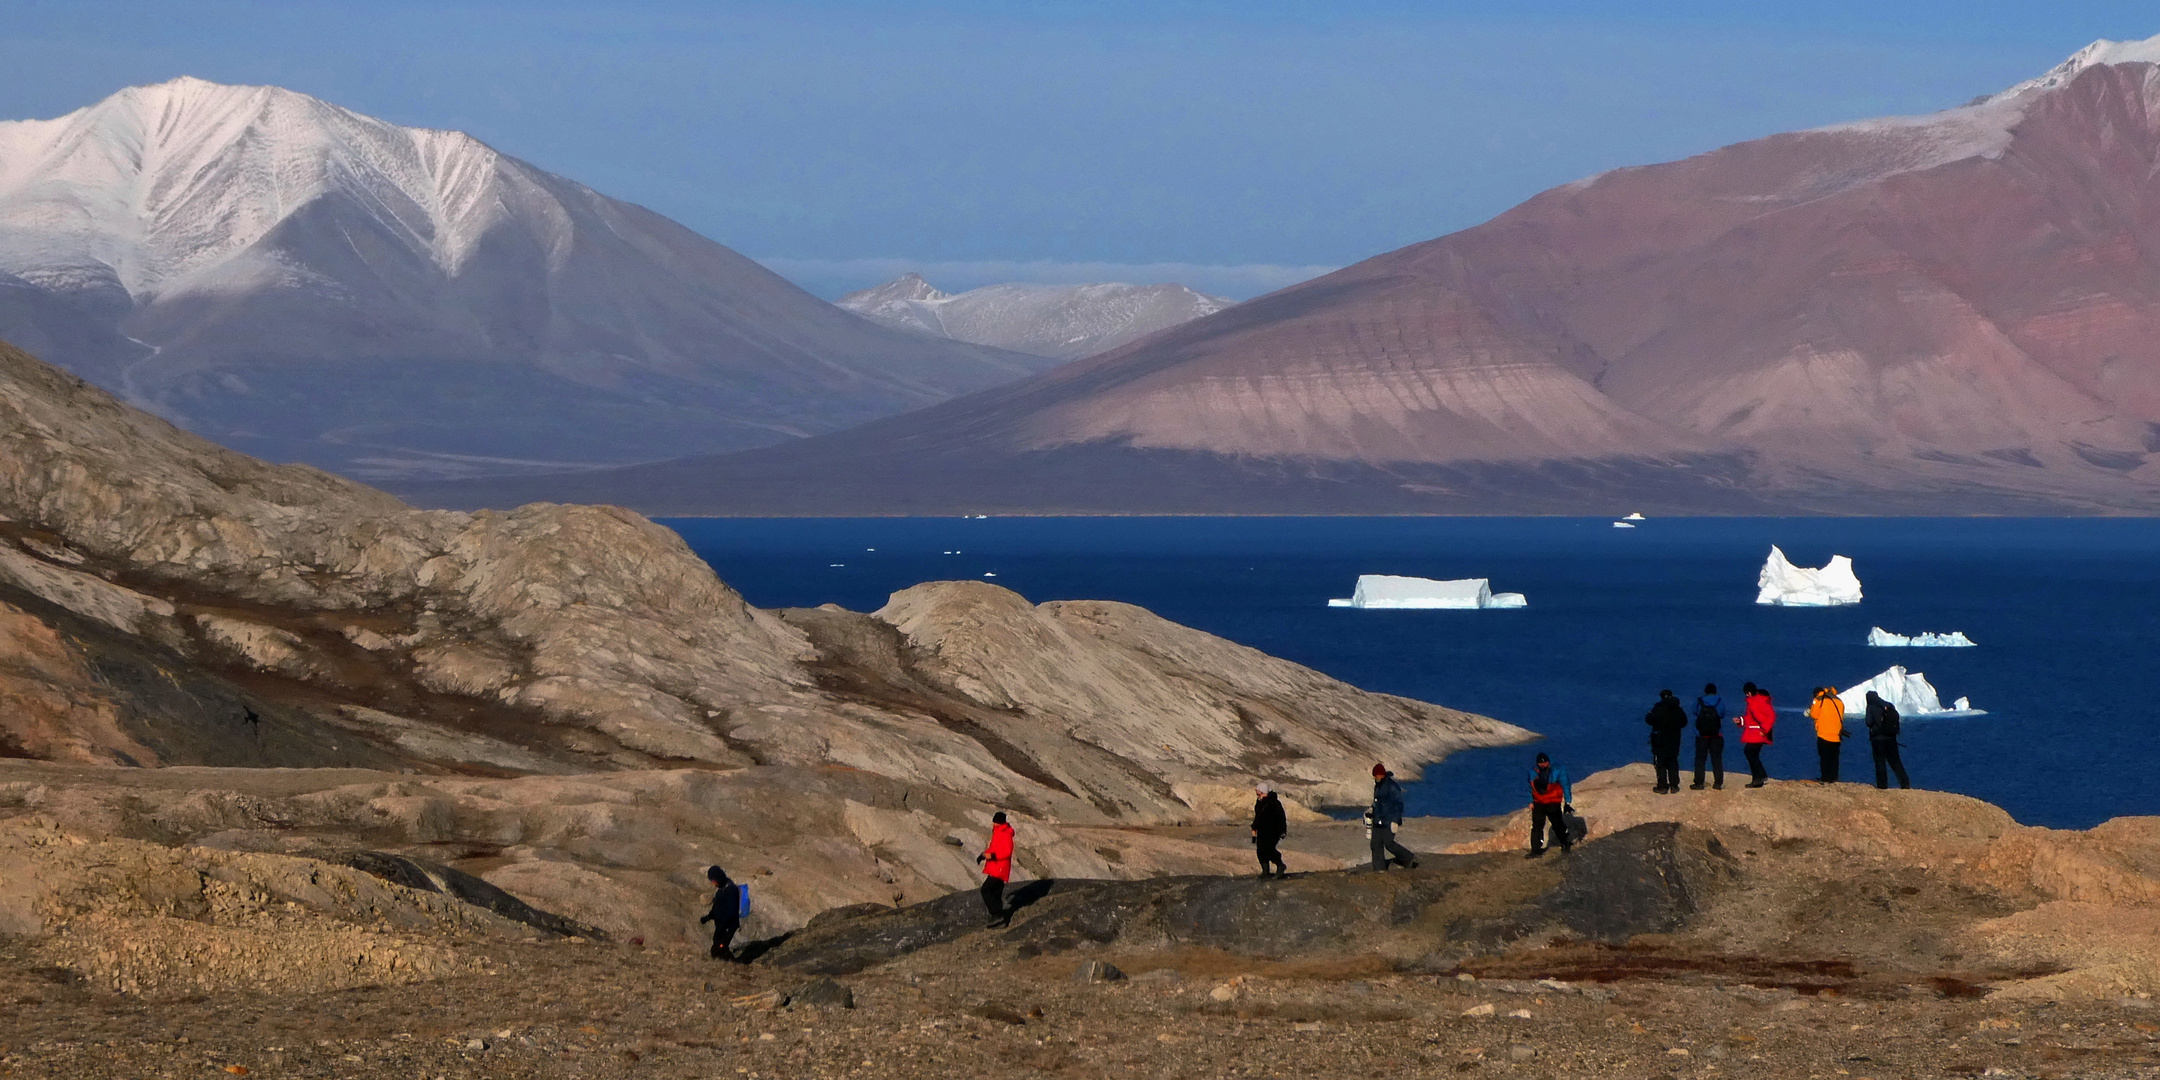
(1909, 691)
(1787, 585)
(1636, 516)
(1884, 639)
(1391, 591)
(1622, 525)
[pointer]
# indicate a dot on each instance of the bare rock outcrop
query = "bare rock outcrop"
(2079, 911)
(314, 621)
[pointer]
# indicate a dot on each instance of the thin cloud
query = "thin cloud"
(1238, 282)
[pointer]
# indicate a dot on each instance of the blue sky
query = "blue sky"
(1233, 146)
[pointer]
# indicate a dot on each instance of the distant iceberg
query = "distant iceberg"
(1636, 516)
(1623, 525)
(1390, 591)
(1787, 585)
(1955, 639)
(1909, 691)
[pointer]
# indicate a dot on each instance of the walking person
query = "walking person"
(1757, 721)
(1668, 723)
(996, 862)
(1386, 816)
(1882, 733)
(1710, 717)
(1269, 826)
(1551, 801)
(726, 913)
(1829, 715)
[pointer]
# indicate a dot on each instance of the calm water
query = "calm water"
(2064, 611)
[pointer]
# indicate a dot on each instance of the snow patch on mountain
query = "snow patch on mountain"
(1063, 321)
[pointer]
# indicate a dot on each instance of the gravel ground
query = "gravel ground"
(964, 1010)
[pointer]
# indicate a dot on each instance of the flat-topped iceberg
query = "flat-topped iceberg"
(1909, 691)
(1786, 585)
(1955, 639)
(1391, 591)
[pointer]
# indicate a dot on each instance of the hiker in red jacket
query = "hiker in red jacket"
(1756, 723)
(996, 862)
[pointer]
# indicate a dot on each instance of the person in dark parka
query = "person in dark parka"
(1710, 717)
(1668, 722)
(1552, 799)
(726, 913)
(1883, 724)
(1269, 826)
(1386, 816)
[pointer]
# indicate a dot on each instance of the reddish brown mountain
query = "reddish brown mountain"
(1952, 313)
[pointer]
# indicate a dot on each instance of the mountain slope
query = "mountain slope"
(301, 281)
(1063, 321)
(1948, 314)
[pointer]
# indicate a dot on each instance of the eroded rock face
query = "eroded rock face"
(558, 639)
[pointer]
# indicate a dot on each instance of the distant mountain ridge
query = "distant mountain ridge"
(1063, 321)
(1956, 313)
(303, 282)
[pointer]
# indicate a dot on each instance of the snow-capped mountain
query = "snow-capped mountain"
(302, 281)
(1063, 321)
(1952, 314)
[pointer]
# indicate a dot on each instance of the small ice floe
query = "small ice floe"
(1623, 524)
(1884, 639)
(836, 564)
(1785, 585)
(989, 573)
(1909, 691)
(1390, 591)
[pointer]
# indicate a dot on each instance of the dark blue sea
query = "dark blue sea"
(2064, 611)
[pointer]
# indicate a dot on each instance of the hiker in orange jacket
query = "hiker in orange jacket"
(1756, 723)
(996, 861)
(1829, 716)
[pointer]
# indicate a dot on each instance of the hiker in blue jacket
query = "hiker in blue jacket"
(1551, 799)
(1710, 717)
(1384, 818)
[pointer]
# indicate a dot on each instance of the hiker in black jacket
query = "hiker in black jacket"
(726, 913)
(1384, 818)
(1883, 724)
(1269, 826)
(1710, 720)
(1668, 721)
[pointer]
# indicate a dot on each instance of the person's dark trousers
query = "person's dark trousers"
(993, 894)
(1385, 848)
(1666, 758)
(1826, 754)
(723, 936)
(1711, 750)
(1270, 855)
(1888, 761)
(1542, 813)
(1755, 768)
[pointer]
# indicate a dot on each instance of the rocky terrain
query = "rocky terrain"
(165, 602)
(1807, 322)
(1746, 937)
(1064, 321)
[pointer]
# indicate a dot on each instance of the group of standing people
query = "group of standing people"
(1757, 721)
(1552, 797)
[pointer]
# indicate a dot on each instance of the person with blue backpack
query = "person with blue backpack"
(730, 903)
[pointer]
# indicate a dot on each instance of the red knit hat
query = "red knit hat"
(1378, 770)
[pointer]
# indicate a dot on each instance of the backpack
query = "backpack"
(1707, 718)
(1889, 728)
(742, 900)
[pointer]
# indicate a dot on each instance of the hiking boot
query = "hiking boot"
(1537, 853)
(1719, 786)
(1755, 783)
(1696, 786)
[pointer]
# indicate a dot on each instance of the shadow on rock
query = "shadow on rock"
(1649, 879)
